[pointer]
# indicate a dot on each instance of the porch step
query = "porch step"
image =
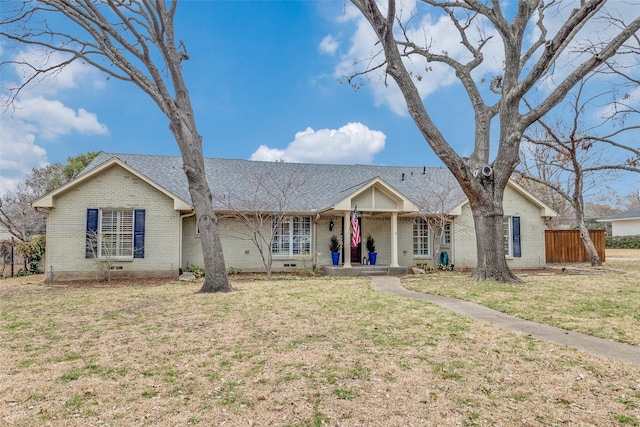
(364, 270)
(376, 272)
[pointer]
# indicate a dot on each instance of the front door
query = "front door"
(356, 251)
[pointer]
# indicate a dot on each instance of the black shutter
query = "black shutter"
(91, 246)
(517, 247)
(138, 233)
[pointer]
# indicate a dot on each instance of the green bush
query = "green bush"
(196, 271)
(234, 270)
(622, 242)
(33, 251)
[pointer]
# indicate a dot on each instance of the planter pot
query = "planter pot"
(372, 257)
(335, 257)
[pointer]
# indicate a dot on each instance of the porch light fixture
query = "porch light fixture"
(331, 225)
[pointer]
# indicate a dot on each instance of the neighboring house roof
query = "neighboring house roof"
(623, 216)
(324, 186)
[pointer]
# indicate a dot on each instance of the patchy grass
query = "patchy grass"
(304, 352)
(600, 302)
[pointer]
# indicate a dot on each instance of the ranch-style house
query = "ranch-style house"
(133, 213)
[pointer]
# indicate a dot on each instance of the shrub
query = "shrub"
(33, 251)
(371, 244)
(334, 244)
(195, 270)
(234, 270)
(622, 242)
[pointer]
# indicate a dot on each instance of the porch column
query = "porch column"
(346, 240)
(394, 239)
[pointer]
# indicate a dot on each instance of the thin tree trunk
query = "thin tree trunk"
(578, 205)
(190, 142)
(594, 258)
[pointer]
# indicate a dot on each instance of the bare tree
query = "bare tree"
(264, 208)
(133, 41)
(435, 210)
(573, 158)
(102, 255)
(500, 99)
(16, 213)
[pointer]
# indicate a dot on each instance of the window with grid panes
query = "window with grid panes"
(446, 234)
(292, 236)
(116, 233)
(421, 237)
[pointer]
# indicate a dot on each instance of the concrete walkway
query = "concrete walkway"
(611, 349)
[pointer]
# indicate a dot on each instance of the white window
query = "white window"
(507, 236)
(511, 236)
(292, 236)
(446, 234)
(421, 237)
(115, 237)
(115, 233)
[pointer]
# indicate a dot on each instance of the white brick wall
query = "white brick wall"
(114, 188)
(531, 233)
(117, 188)
(239, 251)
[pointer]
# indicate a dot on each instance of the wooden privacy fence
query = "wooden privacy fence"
(566, 245)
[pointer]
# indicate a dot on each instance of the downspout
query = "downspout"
(182, 217)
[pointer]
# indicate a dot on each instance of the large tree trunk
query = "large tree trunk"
(492, 262)
(190, 142)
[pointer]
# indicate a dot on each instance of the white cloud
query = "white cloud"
(18, 153)
(630, 100)
(329, 45)
(352, 143)
(27, 120)
(438, 33)
(71, 76)
(52, 118)
(597, 31)
(35, 116)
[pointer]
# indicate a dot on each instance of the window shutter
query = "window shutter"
(138, 233)
(517, 248)
(91, 246)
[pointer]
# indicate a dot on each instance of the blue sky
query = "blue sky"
(264, 82)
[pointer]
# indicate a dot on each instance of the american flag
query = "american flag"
(355, 228)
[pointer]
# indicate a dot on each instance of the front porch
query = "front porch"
(364, 270)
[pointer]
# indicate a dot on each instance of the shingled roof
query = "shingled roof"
(323, 185)
(630, 214)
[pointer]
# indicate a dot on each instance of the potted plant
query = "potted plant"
(334, 247)
(371, 247)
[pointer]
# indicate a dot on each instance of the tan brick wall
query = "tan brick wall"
(117, 188)
(531, 233)
(321, 243)
(380, 230)
(239, 251)
(114, 188)
(531, 230)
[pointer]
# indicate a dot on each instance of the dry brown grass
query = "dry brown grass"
(601, 302)
(301, 352)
